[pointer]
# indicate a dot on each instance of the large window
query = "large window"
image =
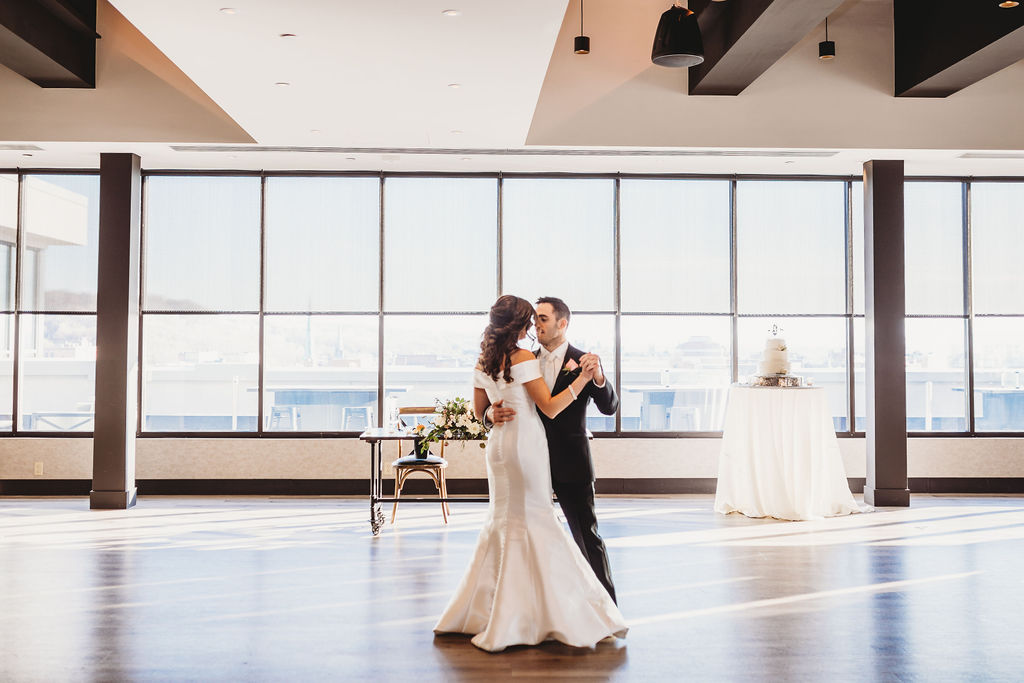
(430, 357)
(320, 331)
(209, 229)
(935, 346)
(440, 254)
(558, 240)
(279, 303)
(323, 244)
(791, 259)
(675, 245)
(936, 375)
(201, 304)
(676, 304)
(440, 237)
(675, 372)
(997, 239)
(200, 372)
(8, 255)
(935, 329)
(320, 372)
(57, 312)
(791, 247)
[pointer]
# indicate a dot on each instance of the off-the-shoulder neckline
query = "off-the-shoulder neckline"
(525, 359)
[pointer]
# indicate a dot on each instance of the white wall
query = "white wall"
(69, 458)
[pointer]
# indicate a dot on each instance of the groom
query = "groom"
(572, 471)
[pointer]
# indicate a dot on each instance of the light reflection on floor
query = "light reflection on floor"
(298, 588)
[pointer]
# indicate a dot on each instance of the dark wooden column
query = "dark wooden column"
(117, 333)
(885, 311)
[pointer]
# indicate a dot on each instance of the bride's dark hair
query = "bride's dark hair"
(510, 315)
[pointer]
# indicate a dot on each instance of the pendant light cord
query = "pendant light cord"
(581, 17)
(826, 26)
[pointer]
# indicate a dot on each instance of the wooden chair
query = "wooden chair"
(430, 464)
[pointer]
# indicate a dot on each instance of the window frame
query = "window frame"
(850, 315)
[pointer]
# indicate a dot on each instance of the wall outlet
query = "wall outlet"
(39, 469)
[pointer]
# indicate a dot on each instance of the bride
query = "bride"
(527, 581)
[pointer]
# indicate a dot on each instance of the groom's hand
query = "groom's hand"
(592, 363)
(499, 414)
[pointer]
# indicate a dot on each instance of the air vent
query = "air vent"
(992, 155)
(19, 148)
(529, 152)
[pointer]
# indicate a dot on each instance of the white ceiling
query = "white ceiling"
(369, 90)
(364, 73)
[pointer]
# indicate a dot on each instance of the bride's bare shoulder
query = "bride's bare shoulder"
(520, 356)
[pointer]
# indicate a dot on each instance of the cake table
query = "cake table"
(780, 456)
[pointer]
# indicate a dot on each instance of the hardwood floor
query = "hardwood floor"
(297, 589)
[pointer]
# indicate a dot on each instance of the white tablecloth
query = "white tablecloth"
(780, 457)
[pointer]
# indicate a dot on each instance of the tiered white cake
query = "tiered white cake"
(773, 370)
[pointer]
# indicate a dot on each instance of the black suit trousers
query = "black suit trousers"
(577, 502)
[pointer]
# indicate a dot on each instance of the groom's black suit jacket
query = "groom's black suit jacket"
(568, 447)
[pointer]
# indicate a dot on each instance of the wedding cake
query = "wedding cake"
(773, 370)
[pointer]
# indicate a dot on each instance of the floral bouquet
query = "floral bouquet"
(454, 421)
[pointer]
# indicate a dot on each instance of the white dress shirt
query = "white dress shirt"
(551, 363)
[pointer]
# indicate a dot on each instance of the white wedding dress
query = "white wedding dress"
(527, 581)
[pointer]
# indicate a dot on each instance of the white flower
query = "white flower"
(447, 433)
(463, 421)
(438, 421)
(474, 429)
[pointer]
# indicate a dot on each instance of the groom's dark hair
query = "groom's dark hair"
(561, 310)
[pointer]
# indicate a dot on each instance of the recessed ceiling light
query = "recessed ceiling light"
(790, 161)
(315, 131)
(286, 35)
(454, 85)
(1008, 3)
(283, 84)
(451, 12)
(350, 158)
(466, 158)
(456, 132)
(26, 154)
(228, 10)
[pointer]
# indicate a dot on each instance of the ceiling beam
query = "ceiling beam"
(943, 46)
(743, 38)
(50, 42)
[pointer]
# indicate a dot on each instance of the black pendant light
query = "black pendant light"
(581, 45)
(826, 48)
(677, 41)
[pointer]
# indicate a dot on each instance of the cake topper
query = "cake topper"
(775, 329)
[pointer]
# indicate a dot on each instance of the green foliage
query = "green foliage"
(454, 421)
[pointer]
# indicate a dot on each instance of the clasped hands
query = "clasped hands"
(590, 369)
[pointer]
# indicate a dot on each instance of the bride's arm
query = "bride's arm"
(541, 395)
(480, 403)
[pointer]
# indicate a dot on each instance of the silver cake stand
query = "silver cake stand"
(777, 381)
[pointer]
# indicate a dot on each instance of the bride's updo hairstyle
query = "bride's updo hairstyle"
(510, 315)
